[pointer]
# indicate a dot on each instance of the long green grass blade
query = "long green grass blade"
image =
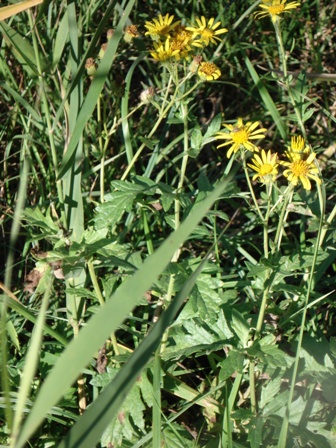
(95, 90)
(88, 429)
(33, 356)
(27, 314)
(267, 99)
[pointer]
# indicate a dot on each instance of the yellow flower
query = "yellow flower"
(301, 164)
(207, 32)
(266, 166)
(208, 71)
(165, 52)
(160, 27)
(240, 135)
(180, 40)
(181, 34)
(275, 8)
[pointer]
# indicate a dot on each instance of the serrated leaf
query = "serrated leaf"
(277, 405)
(269, 354)
(232, 364)
(150, 143)
(328, 381)
(175, 436)
(240, 327)
(81, 292)
(206, 300)
(269, 391)
(311, 364)
(35, 217)
(255, 432)
(108, 213)
(196, 139)
(133, 407)
(213, 127)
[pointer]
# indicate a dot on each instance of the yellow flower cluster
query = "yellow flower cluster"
(300, 165)
(173, 41)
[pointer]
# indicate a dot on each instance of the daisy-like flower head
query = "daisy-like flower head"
(266, 166)
(275, 8)
(301, 165)
(208, 71)
(181, 34)
(165, 52)
(207, 32)
(240, 135)
(160, 27)
(180, 41)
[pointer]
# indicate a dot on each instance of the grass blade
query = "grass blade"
(267, 99)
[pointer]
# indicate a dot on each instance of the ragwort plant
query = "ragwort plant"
(157, 322)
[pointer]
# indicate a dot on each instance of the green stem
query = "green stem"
(162, 115)
(248, 180)
(285, 424)
(101, 150)
(283, 58)
(282, 219)
(101, 300)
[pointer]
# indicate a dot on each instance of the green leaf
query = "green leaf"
(109, 212)
(269, 391)
(255, 432)
(270, 354)
(22, 50)
(213, 127)
(267, 99)
(196, 139)
(95, 89)
(81, 349)
(176, 436)
(232, 364)
(240, 327)
(131, 412)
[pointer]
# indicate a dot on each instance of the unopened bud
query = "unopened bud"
(131, 32)
(90, 66)
(147, 95)
(193, 67)
(102, 50)
(109, 34)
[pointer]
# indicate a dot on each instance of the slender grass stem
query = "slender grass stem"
(46, 110)
(283, 58)
(248, 180)
(282, 219)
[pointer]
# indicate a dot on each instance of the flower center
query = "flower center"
(177, 45)
(208, 68)
(276, 9)
(265, 169)
(207, 33)
(300, 168)
(240, 136)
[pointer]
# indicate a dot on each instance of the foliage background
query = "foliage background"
(90, 198)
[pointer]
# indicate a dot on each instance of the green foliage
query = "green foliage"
(155, 292)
